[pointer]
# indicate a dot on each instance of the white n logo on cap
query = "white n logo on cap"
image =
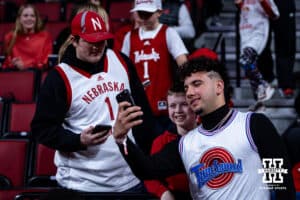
(96, 23)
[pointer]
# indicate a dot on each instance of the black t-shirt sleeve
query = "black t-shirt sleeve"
(50, 112)
(270, 145)
(165, 163)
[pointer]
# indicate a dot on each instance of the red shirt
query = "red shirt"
(32, 48)
(177, 182)
(153, 62)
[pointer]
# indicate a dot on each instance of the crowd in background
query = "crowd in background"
(150, 50)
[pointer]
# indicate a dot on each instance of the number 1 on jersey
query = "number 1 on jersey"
(146, 72)
(111, 114)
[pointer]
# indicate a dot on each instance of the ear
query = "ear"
(73, 41)
(219, 86)
(159, 13)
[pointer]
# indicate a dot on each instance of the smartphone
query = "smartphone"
(125, 96)
(101, 127)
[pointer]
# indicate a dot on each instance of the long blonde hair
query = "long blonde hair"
(86, 7)
(19, 29)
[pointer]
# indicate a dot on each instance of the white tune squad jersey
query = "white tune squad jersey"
(223, 164)
(92, 100)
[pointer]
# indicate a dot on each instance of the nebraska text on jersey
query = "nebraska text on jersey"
(141, 56)
(102, 88)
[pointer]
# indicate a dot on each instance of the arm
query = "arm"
(177, 49)
(163, 164)
(157, 187)
(46, 51)
(157, 166)
(270, 8)
(270, 145)
(51, 109)
(7, 64)
(185, 26)
(144, 133)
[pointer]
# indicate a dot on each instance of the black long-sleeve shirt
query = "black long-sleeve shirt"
(52, 107)
(168, 161)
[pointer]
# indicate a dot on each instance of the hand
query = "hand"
(167, 195)
(17, 61)
(88, 139)
(126, 119)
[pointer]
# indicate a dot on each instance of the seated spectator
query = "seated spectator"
(27, 45)
(175, 14)
(184, 119)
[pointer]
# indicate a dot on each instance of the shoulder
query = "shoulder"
(258, 118)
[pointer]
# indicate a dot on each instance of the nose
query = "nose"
(189, 92)
(95, 46)
(178, 109)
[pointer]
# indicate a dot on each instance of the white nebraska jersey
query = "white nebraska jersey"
(92, 100)
(223, 164)
(254, 24)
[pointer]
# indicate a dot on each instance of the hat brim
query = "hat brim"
(144, 8)
(96, 37)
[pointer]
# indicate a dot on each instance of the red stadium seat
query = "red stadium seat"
(1, 116)
(119, 17)
(14, 159)
(69, 9)
(44, 168)
(2, 9)
(54, 28)
(50, 11)
(4, 28)
(18, 193)
(19, 84)
(19, 119)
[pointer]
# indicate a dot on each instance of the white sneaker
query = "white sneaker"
(264, 92)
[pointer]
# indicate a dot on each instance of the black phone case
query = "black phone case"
(101, 127)
(125, 96)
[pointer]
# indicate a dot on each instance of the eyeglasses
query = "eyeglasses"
(144, 15)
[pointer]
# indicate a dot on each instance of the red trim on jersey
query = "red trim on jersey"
(82, 72)
(67, 84)
(268, 9)
(122, 62)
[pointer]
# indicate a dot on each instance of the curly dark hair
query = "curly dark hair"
(205, 64)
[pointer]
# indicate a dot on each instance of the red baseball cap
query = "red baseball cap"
(206, 52)
(90, 26)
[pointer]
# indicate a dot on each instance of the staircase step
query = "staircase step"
(280, 117)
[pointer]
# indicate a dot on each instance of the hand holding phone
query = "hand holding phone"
(125, 96)
(100, 128)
